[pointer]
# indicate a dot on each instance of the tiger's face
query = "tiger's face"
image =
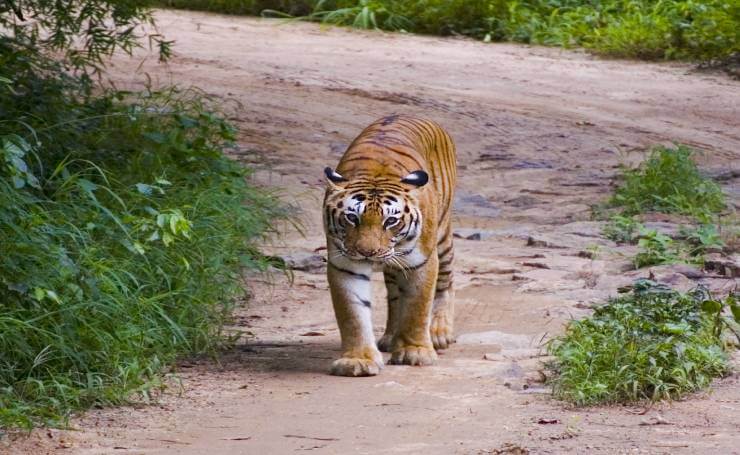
(377, 221)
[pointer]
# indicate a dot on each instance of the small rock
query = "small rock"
(536, 377)
(586, 254)
(688, 271)
(472, 234)
(307, 262)
(722, 265)
(523, 201)
(541, 242)
(532, 164)
(475, 205)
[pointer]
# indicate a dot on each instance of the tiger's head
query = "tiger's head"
(376, 219)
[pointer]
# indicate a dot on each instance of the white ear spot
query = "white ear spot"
(416, 178)
(333, 175)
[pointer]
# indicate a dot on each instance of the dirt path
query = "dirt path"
(540, 134)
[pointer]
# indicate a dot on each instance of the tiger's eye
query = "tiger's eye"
(352, 218)
(390, 221)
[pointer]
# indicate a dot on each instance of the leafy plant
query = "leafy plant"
(83, 32)
(669, 182)
(655, 248)
(671, 29)
(622, 229)
(702, 239)
(125, 230)
(652, 343)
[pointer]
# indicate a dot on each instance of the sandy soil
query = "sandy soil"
(541, 133)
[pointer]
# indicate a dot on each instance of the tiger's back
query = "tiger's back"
(388, 202)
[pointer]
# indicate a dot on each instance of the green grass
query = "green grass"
(650, 344)
(669, 182)
(124, 231)
(671, 29)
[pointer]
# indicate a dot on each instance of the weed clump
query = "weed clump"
(674, 29)
(124, 229)
(669, 182)
(650, 344)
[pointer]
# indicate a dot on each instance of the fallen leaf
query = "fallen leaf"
(312, 334)
(544, 421)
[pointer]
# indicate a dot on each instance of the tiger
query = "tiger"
(387, 206)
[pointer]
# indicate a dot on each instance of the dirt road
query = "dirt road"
(540, 135)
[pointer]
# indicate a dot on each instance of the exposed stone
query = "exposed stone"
(475, 205)
(723, 265)
(523, 201)
(305, 261)
(542, 242)
(472, 234)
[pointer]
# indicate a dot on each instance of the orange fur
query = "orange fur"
(388, 203)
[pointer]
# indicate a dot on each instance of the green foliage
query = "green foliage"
(653, 343)
(672, 29)
(622, 229)
(124, 229)
(83, 32)
(669, 182)
(702, 239)
(656, 248)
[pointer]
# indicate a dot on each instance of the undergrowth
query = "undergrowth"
(123, 230)
(672, 29)
(650, 344)
(668, 182)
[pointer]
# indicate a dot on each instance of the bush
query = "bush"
(673, 29)
(652, 344)
(124, 230)
(669, 182)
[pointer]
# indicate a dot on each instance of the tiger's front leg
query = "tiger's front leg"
(412, 344)
(349, 282)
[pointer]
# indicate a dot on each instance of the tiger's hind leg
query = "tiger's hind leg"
(394, 310)
(443, 308)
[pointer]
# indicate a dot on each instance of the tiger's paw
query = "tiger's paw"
(385, 342)
(359, 362)
(440, 331)
(414, 355)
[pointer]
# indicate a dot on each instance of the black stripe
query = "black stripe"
(407, 155)
(419, 265)
(365, 303)
(349, 272)
(445, 263)
(444, 253)
(444, 212)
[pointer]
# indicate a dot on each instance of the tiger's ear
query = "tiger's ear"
(333, 178)
(416, 178)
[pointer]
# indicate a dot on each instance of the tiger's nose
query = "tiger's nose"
(367, 253)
